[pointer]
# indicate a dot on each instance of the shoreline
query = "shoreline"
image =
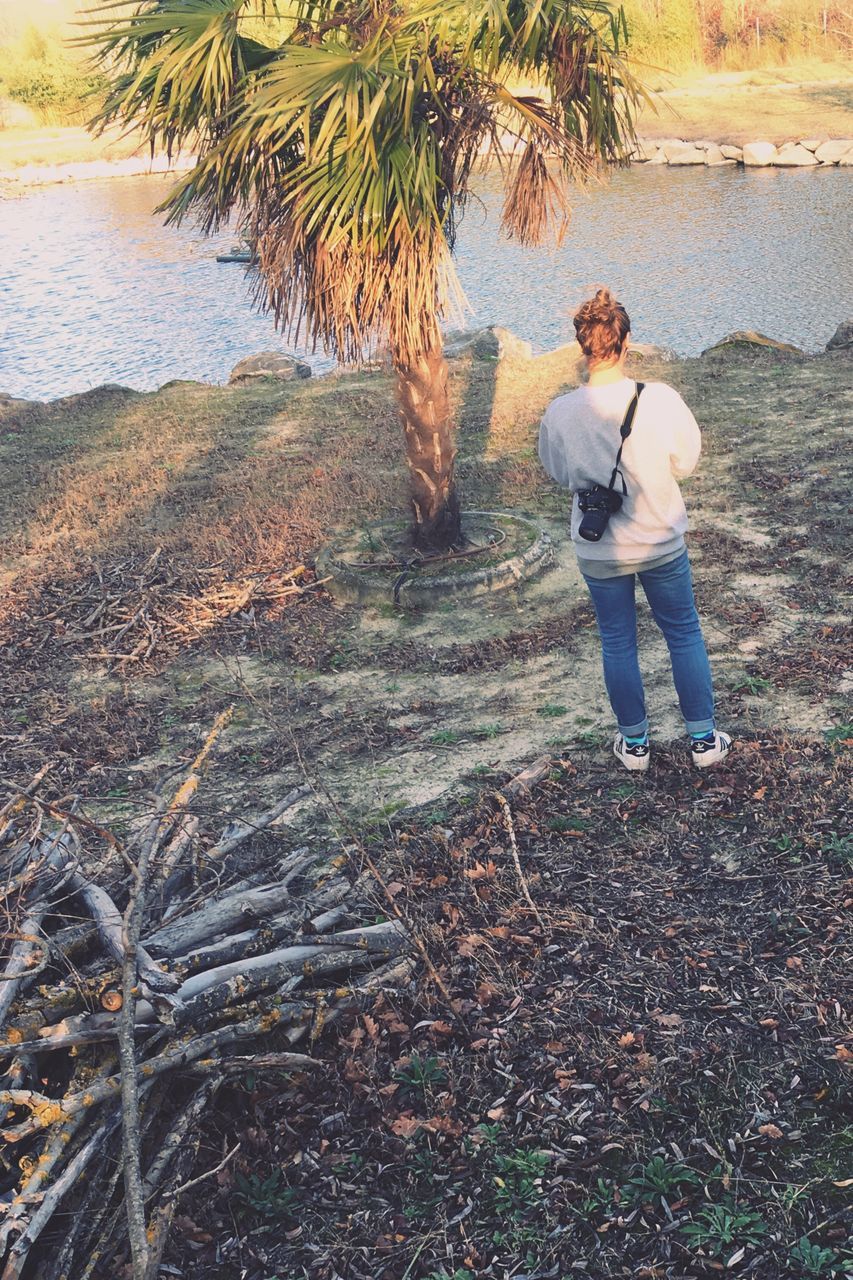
(507, 346)
(803, 152)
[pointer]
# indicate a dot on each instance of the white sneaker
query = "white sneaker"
(705, 754)
(633, 757)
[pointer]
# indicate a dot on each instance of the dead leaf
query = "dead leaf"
(467, 945)
(405, 1126)
(668, 1019)
(443, 1124)
(770, 1131)
(486, 993)
(627, 1039)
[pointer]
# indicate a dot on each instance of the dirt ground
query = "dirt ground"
(225, 487)
(682, 997)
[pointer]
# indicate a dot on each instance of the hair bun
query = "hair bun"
(602, 324)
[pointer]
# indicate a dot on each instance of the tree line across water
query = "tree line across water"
(39, 68)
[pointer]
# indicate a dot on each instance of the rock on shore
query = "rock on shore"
(269, 364)
(797, 153)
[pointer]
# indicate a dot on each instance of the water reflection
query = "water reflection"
(93, 289)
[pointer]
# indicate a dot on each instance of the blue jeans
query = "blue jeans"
(669, 591)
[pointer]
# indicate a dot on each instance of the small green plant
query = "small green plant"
(809, 1259)
(487, 731)
(563, 823)
(481, 770)
(599, 1200)
(428, 1191)
(840, 733)
(752, 684)
(623, 791)
(375, 817)
(444, 738)
(721, 1227)
(552, 709)
(489, 1133)
(421, 1073)
(265, 1197)
(589, 738)
(839, 847)
(338, 659)
(657, 1179)
(518, 1181)
(433, 817)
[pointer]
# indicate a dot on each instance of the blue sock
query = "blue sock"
(642, 741)
(709, 736)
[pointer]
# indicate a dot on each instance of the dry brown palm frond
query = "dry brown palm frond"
(350, 299)
(535, 200)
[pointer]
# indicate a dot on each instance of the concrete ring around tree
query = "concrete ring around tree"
(524, 551)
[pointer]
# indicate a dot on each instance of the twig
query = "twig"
(513, 844)
(130, 1138)
(202, 1177)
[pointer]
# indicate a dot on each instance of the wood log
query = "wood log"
(70, 1033)
(27, 958)
(221, 916)
(108, 920)
(243, 828)
(255, 941)
(49, 1111)
(529, 777)
(242, 986)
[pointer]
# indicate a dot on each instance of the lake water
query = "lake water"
(94, 289)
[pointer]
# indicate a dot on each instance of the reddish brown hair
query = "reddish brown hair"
(602, 325)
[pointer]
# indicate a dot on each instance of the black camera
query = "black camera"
(598, 505)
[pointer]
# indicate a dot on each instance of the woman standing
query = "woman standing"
(644, 537)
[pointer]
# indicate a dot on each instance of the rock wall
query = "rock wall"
(802, 153)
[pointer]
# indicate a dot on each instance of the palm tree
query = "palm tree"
(345, 133)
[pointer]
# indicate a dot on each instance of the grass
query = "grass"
(809, 99)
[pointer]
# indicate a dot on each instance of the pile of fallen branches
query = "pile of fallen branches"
(128, 612)
(123, 1008)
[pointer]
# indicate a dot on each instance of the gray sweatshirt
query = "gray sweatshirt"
(578, 442)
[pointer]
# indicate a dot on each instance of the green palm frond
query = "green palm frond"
(345, 134)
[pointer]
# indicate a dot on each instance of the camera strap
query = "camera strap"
(624, 432)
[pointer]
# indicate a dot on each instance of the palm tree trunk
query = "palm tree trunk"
(430, 451)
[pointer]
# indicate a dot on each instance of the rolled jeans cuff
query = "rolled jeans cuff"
(636, 730)
(697, 727)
